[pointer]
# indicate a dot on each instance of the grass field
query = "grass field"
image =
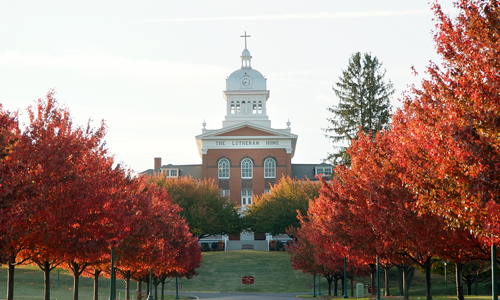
(220, 272)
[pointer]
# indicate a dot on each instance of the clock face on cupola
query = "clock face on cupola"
(246, 81)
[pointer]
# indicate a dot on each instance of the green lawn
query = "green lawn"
(220, 272)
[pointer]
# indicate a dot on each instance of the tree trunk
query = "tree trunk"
(335, 294)
(114, 283)
(408, 272)
(156, 282)
(96, 275)
(476, 284)
(163, 288)
(10, 281)
(428, 285)
(77, 271)
(46, 279)
(386, 281)
(460, 285)
(127, 285)
(139, 290)
(373, 272)
(76, 282)
(330, 286)
(343, 287)
(400, 280)
(352, 287)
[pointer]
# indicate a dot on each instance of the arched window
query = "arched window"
(233, 109)
(269, 168)
(223, 168)
(246, 168)
(237, 110)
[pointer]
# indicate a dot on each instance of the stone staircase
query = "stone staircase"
(246, 245)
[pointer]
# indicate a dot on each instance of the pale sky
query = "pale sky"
(155, 70)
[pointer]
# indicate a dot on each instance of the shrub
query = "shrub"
(205, 247)
(279, 246)
(215, 246)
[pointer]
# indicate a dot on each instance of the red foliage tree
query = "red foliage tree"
(13, 212)
(159, 238)
(73, 209)
(367, 210)
(451, 150)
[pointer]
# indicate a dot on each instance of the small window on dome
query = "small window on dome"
(254, 108)
(259, 107)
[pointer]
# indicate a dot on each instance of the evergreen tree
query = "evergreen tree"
(364, 104)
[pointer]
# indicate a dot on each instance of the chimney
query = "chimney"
(157, 162)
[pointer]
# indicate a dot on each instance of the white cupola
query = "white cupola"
(246, 94)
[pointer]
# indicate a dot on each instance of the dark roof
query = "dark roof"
(299, 171)
(184, 170)
(303, 171)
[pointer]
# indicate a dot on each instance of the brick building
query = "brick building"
(246, 155)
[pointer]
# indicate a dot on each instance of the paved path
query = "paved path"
(242, 296)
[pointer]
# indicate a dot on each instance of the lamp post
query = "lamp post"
(314, 284)
(112, 276)
(151, 297)
(445, 281)
(319, 283)
(494, 285)
(345, 277)
(176, 286)
(378, 279)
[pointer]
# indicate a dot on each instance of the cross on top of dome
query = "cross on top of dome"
(245, 36)
(245, 55)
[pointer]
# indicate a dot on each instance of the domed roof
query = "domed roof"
(245, 53)
(235, 81)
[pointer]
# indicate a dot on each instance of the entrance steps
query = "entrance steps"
(246, 245)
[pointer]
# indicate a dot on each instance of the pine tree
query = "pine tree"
(364, 104)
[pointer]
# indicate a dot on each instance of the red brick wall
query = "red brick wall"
(283, 167)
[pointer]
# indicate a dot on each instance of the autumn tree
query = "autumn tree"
(206, 211)
(452, 153)
(364, 104)
(160, 238)
(74, 212)
(275, 212)
(14, 237)
(368, 210)
(302, 257)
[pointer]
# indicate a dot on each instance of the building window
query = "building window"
(257, 108)
(269, 168)
(267, 192)
(238, 108)
(224, 193)
(233, 110)
(223, 168)
(246, 168)
(246, 198)
(171, 173)
(326, 171)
